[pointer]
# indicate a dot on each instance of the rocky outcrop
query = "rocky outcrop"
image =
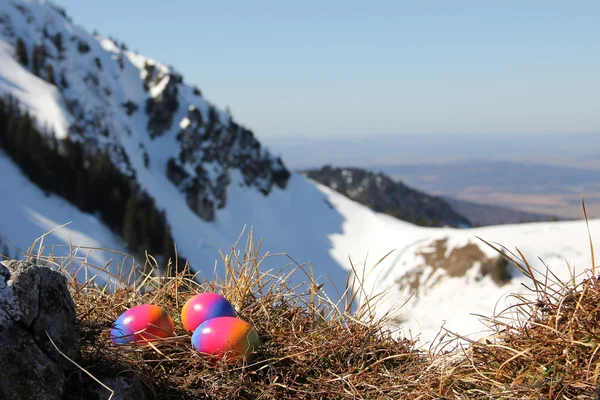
(35, 304)
(212, 146)
(161, 108)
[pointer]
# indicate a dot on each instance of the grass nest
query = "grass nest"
(312, 347)
(546, 346)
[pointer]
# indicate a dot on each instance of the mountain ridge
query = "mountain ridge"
(382, 194)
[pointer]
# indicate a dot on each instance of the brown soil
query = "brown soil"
(458, 262)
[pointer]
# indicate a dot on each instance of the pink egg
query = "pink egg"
(140, 324)
(226, 336)
(205, 306)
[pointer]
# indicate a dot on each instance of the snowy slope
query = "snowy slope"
(26, 213)
(452, 300)
(101, 77)
(308, 221)
(42, 99)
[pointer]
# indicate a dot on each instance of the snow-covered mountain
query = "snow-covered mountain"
(449, 274)
(212, 177)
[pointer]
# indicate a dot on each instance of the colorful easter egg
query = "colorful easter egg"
(205, 306)
(226, 336)
(142, 323)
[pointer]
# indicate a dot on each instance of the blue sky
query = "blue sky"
(352, 68)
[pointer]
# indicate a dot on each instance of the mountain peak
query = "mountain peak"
(94, 90)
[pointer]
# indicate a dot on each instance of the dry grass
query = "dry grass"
(314, 348)
(547, 346)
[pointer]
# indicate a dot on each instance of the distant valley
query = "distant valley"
(550, 190)
(486, 214)
(541, 174)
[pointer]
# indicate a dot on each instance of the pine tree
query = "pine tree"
(80, 190)
(10, 134)
(63, 80)
(50, 74)
(24, 129)
(35, 150)
(58, 42)
(21, 51)
(129, 223)
(37, 60)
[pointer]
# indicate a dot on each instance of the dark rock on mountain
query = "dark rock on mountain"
(130, 107)
(82, 46)
(34, 304)
(210, 148)
(382, 194)
(160, 109)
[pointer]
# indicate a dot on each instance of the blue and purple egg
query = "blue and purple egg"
(203, 307)
(141, 324)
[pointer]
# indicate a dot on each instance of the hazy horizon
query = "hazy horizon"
(577, 151)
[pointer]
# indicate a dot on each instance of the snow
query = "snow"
(310, 222)
(40, 98)
(563, 246)
(159, 87)
(26, 213)
(184, 123)
(109, 45)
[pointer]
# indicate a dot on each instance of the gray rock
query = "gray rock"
(124, 387)
(34, 302)
(162, 108)
(27, 372)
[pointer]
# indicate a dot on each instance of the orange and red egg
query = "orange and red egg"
(140, 324)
